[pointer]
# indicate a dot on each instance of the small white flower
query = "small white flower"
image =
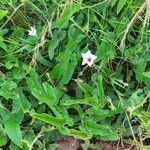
(88, 58)
(32, 31)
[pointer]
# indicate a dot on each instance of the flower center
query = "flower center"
(89, 59)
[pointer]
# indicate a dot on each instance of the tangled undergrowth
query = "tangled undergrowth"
(76, 68)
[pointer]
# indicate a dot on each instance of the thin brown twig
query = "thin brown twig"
(136, 142)
(147, 17)
(37, 47)
(10, 17)
(131, 23)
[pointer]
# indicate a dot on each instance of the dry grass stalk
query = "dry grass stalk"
(131, 23)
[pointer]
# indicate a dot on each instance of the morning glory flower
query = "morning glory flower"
(88, 58)
(32, 31)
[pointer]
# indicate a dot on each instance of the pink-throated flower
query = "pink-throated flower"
(88, 58)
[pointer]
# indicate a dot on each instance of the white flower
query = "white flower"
(88, 58)
(32, 31)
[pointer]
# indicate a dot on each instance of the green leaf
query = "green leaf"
(55, 121)
(136, 98)
(92, 101)
(3, 13)
(92, 127)
(109, 136)
(19, 72)
(101, 131)
(42, 60)
(106, 49)
(120, 5)
(99, 114)
(11, 61)
(67, 75)
(141, 76)
(28, 138)
(80, 134)
(59, 69)
(12, 125)
(84, 87)
(53, 135)
(98, 80)
(45, 93)
(54, 43)
(13, 146)
(146, 74)
(2, 44)
(20, 102)
(102, 50)
(68, 12)
(139, 70)
(7, 90)
(3, 137)
(52, 46)
(13, 131)
(51, 92)
(67, 59)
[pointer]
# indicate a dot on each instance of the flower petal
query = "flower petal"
(32, 31)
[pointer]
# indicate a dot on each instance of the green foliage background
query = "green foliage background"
(42, 96)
